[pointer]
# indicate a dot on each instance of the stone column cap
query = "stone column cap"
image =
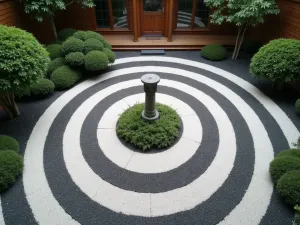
(150, 78)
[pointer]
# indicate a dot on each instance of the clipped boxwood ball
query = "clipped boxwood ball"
(75, 59)
(290, 152)
(22, 93)
(95, 61)
(66, 33)
(288, 187)
(54, 51)
(42, 88)
(54, 64)
(8, 143)
(11, 166)
(214, 52)
(110, 55)
(65, 77)
(297, 105)
(92, 44)
(283, 164)
(72, 45)
(107, 45)
(82, 35)
(94, 35)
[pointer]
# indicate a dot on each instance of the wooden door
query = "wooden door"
(152, 16)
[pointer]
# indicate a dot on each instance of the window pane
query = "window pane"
(119, 13)
(102, 13)
(202, 14)
(152, 5)
(185, 8)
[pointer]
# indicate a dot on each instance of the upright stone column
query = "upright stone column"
(150, 87)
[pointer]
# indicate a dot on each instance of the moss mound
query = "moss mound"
(72, 45)
(8, 143)
(110, 55)
(54, 51)
(11, 166)
(65, 77)
(288, 187)
(92, 44)
(64, 34)
(75, 59)
(95, 61)
(54, 64)
(290, 152)
(42, 88)
(214, 52)
(161, 133)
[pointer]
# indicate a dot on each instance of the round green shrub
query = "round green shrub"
(110, 55)
(54, 64)
(146, 135)
(92, 44)
(66, 33)
(23, 92)
(23, 59)
(11, 166)
(95, 61)
(297, 105)
(54, 51)
(288, 187)
(290, 152)
(8, 143)
(42, 88)
(279, 60)
(65, 77)
(283, 164)
(82, 35)
(72, 45)
(94, 35)
(214, 52)
(107, 45)
(251, 46)
(75, 59)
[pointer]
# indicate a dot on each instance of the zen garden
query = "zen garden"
(155, 112)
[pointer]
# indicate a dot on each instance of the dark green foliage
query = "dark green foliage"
(92, 44)
(161, 133)
(214, 52)
(94, 35)
(297, 105)
(288, 187)
(22, 58)
(65, 77)
(290, 152)
(42, 88)
(54, 64)
(95, 61)
(75, 59)
(251, 46)
(82, 35)
(23, 92)
(54, 51)
(66, 33)
(8, 143)
(58, 42)
(283, 164)
(107, 45)
(11, 166)
(278, 61)
(72, 45)
(110, 55)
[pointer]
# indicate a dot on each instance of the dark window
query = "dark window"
(184, 17)
(102, 13)
(152, 5)
(202, 14)
(119, 13)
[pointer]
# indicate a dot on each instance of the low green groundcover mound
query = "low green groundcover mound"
(283, 164)
(66, 33)
(290, 152)
(42, 88)
(214, 52)
(95, 61)
(54, 64)
(75, 59)
(110, 55)
(54, 51)
(92, 44)
(158, 134)
(11, 166)
(72, 45)
(288, 187)
(65, 77)
(8, 143)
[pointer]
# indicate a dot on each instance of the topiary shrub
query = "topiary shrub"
(54, 64)
(110, 55)
(107, 45)
(23, 93)
(8, 143)
(214, 52)
(281, 165)
(290, 152)
(72, 45)
(23, 60)
(95, 61)
(279, 60)
(66, 33)
(94, 35)
(251, 46)
(11, 166)
(297, 105)
(82, 35)
(75, 59)
(54, 50)
(288, 187)
(65, 77)
(92, 44)
(42, 88)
